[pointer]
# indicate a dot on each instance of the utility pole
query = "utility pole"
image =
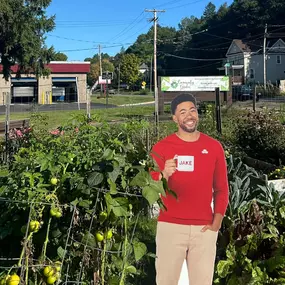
(264, 57)
(150, 76)
(154, 11)
(119, 79)
(7, 123)
(100, 66)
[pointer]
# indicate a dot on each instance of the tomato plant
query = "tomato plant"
(76, 195)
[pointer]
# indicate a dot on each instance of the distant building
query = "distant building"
(143, 68)
(246, 61)
(66, 83)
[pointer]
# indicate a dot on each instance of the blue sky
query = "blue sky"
(82, 25)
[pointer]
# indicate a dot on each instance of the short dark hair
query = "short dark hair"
(183, 97)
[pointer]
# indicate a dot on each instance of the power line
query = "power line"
(169, 2)
(191, 3)
(129, 27)
(137, 32)
(92, 48)
(86, 41)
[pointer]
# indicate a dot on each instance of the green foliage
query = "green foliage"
(129, 69)
(79, 171)
(278, 173)
(261, 135)
(251, 247)
(23, 25)
(59, 56)
(208, 36)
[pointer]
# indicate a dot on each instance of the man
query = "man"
(194, 166)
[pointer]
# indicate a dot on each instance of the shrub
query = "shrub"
(261, 135)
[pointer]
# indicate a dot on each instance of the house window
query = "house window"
(278, 59)
(251, 73)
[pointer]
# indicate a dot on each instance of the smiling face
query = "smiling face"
(186, 117)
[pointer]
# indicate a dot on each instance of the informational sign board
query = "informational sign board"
(199, 83)
(107, 75)
(104, 81)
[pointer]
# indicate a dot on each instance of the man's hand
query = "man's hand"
(169, 168)
(212, 228)
(216, 225)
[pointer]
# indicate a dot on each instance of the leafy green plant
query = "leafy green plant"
(251, 248)
(83, 188)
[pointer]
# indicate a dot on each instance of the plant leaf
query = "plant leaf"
(150, 194)
(95, 178)
(140, 250)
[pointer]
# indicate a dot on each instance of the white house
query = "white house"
(246, 61)
(143, 68)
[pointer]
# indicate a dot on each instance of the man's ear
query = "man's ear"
(174, 118)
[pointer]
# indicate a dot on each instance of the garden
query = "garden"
(76, 201)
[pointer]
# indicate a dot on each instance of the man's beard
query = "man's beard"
(189, 129)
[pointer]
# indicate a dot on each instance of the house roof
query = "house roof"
(254, 45)
(250, 45)
(61, 67)
(143, 66)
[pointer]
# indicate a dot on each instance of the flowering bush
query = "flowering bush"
(278, 173)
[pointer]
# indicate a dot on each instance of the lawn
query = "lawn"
(57, 118)
(123, 99)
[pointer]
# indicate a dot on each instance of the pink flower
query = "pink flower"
(19, 133)
(62, 133)
(55, 132)
(76, 130)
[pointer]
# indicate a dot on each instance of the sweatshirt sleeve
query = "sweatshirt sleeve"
(158, 158)
(220, 185)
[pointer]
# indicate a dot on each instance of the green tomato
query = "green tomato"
(3, 281)
(48, 271)
(53, 212)
(34, 226)
(51, 280)
(58, 214)
(13, 280)
(109, 234)
(23, 229)
(57, 266)
(53, 181)
(103, 216)
(99, 236)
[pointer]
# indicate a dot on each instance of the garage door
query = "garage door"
(23, 91)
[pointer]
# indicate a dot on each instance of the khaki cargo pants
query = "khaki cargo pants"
(174, 244)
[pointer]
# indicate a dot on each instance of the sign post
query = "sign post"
(107, 76)
(218, 111)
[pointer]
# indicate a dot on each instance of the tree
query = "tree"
(95, 57)
(23, 24)
(93, 76)
(209, 12)
(129, 69)
(59, 56)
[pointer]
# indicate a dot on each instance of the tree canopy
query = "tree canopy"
(129, 69)
(199, 44)
(59, 56)
(23, 24)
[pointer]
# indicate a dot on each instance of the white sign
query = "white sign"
(201, 83)
(104, 81)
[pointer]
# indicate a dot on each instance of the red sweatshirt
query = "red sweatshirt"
(201, 176)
